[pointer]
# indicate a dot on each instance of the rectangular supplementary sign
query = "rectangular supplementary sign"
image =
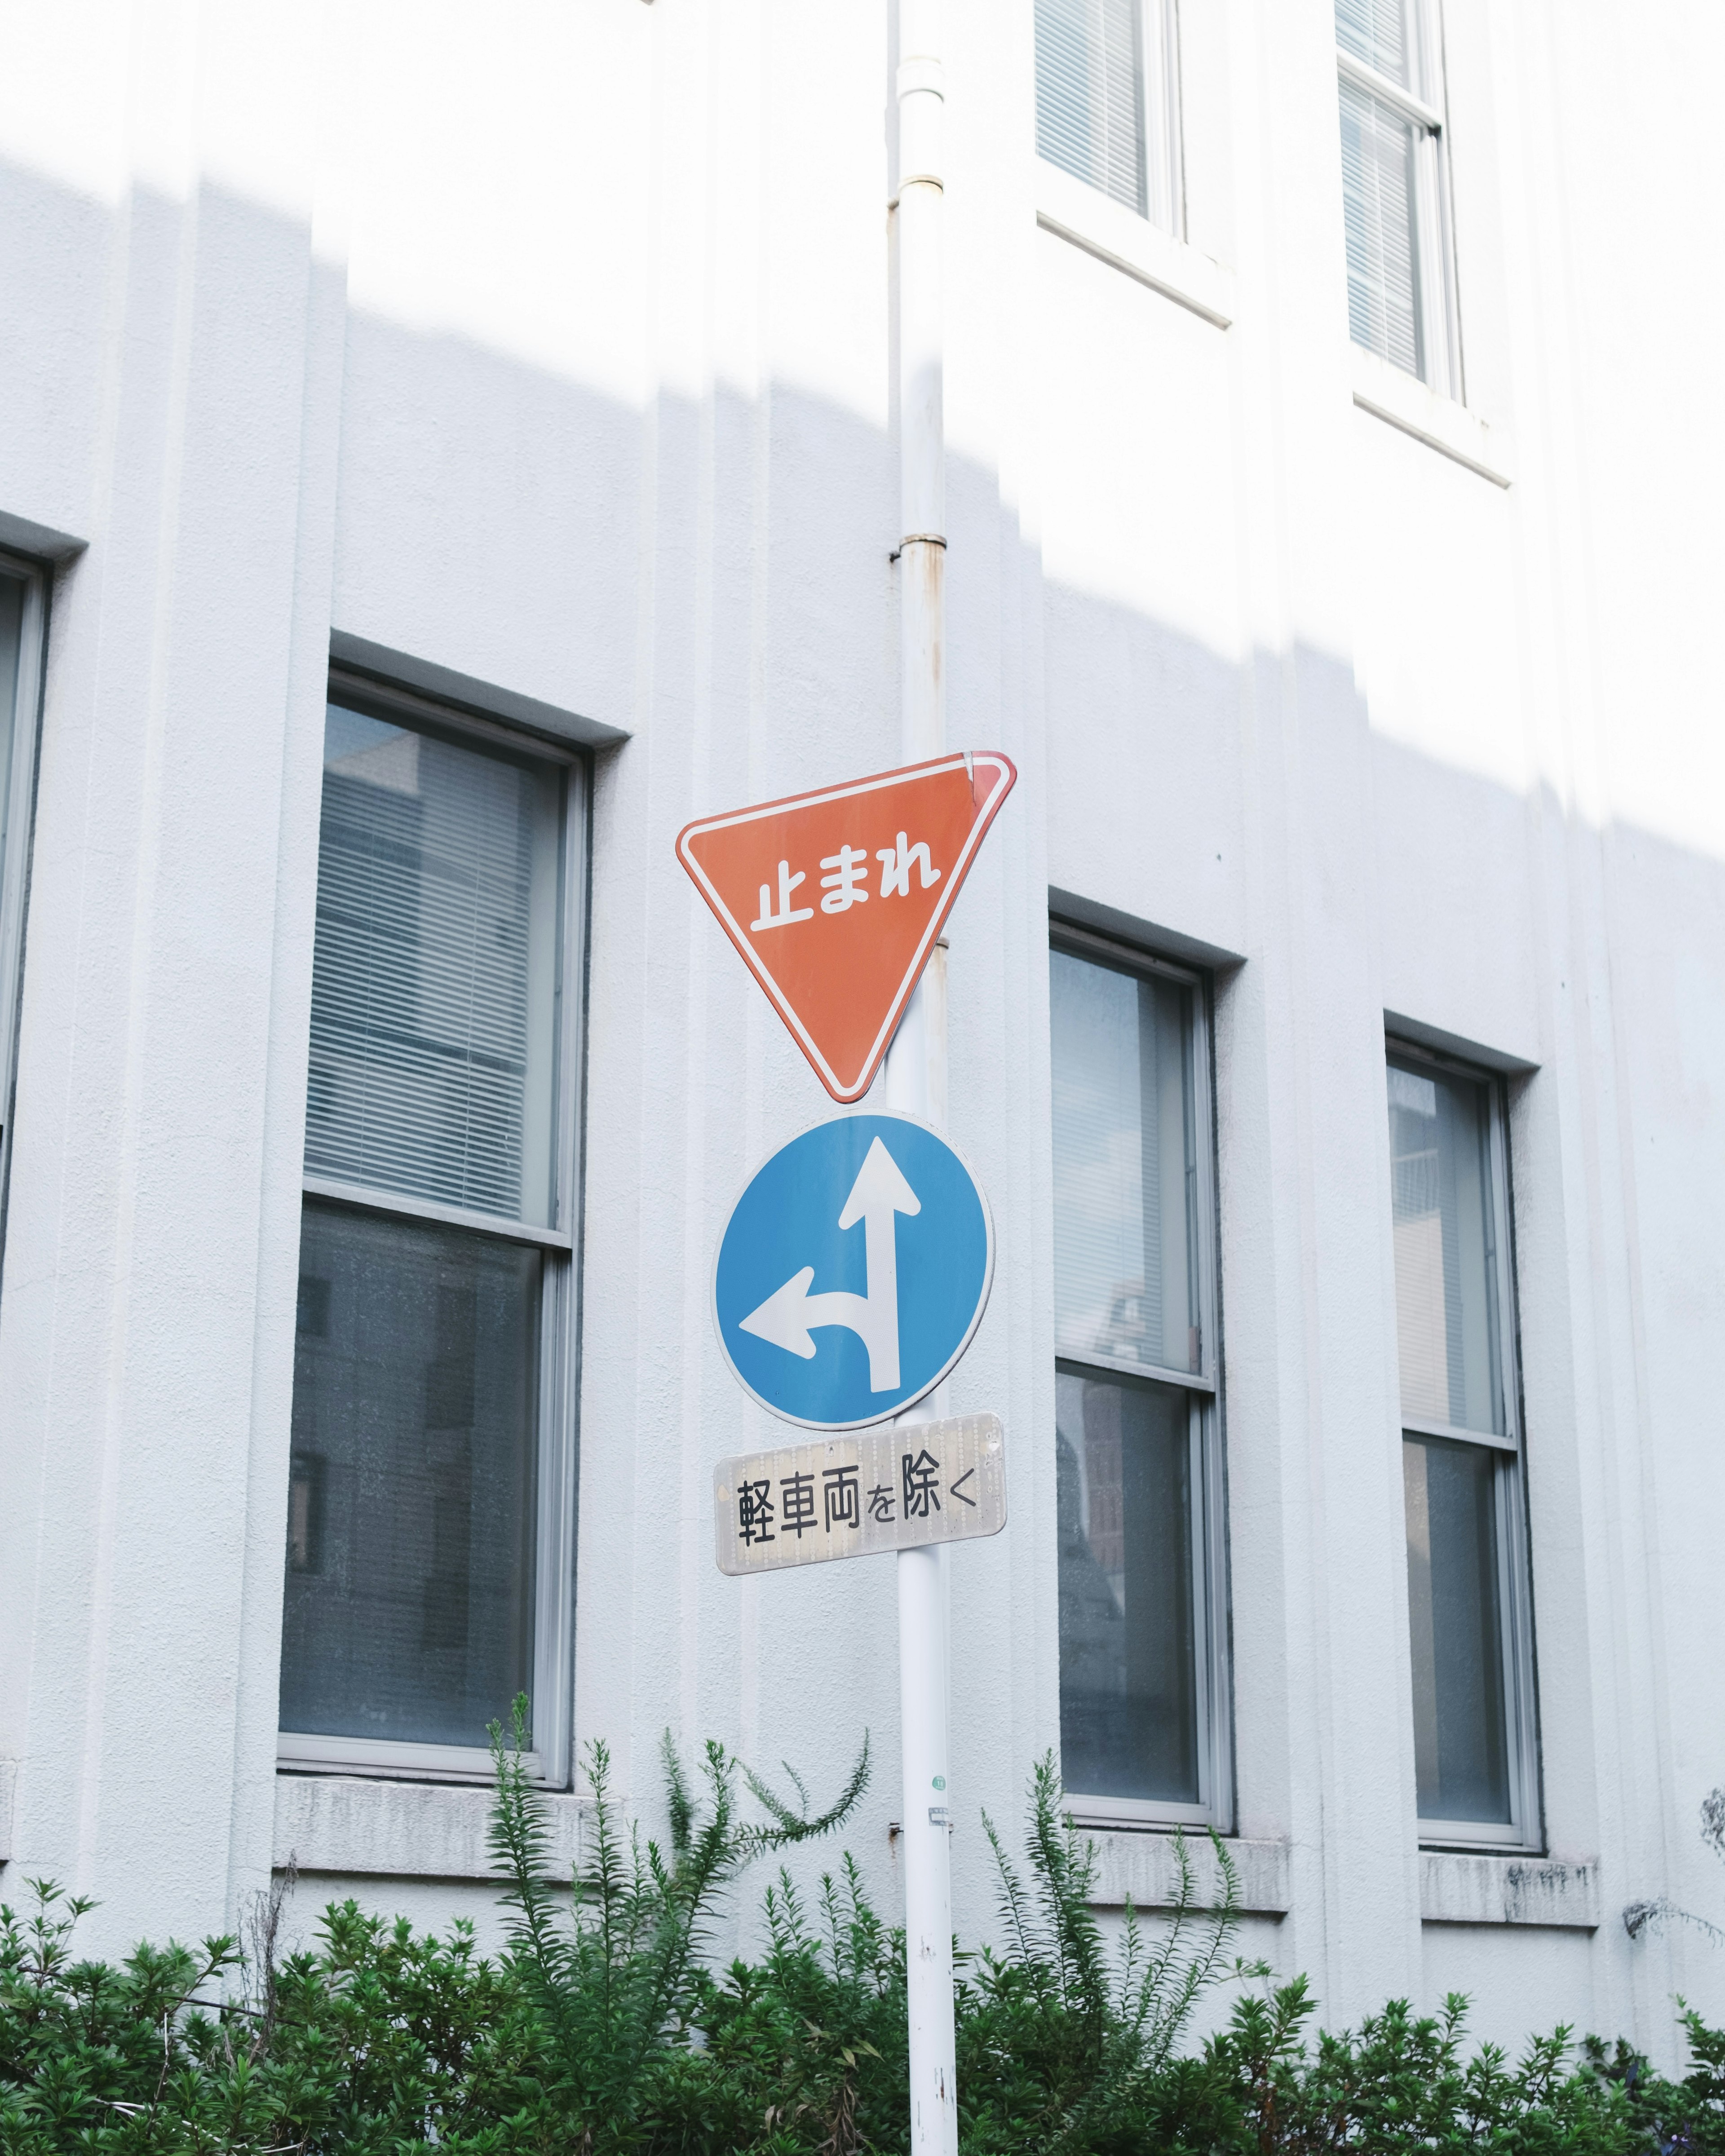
(895, 1486)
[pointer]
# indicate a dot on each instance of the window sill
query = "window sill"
(1405, 403)
(1092, 221)
(301, 1754)
(335, 1823)
(1455, 1889)
(1141, 1866)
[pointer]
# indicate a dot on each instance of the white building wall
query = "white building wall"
(551, 346)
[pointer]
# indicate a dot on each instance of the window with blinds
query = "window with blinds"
(1393, 207)
(1142, 1726)
(430, 1499)
(1377, 198)
(1106, 109)
(432, 1013)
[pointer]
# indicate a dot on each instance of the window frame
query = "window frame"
(1160, 116)
(550, 1761)
(1426, 109)
(1523, 1831)
(17, 818)
(1211, 1630)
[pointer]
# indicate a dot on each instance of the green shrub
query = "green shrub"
(604, 2028)
(622, 2011)
(1404, 2082)
(1062, 2047)
(359, 2046)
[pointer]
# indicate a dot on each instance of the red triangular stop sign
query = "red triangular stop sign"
(835, 898)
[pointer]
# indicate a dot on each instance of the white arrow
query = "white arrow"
(789, 1315)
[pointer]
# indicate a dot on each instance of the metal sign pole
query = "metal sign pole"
(922, 1649)
(922, 1664)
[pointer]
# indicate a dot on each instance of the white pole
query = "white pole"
(922, 1652)
(922, 457)
(922, 1664)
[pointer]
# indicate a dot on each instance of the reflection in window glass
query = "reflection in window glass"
(1124, 1166)
(1128, 1671)
(411, 1504)
(433, 977)
(1455, 1623)
(1445, 1250)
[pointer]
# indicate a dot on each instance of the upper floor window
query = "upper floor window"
(1143, 1722)
(22, 607)
(1469, 1611)
(1394, 191)
(430, 1499)
(1107, 99)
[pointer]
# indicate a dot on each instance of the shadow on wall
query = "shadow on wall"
(716, 575)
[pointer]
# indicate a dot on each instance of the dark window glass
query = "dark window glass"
(411, 1485)
(1128, 1672)
(1456, 1624)
(1450, 1336)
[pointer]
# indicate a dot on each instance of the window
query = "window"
(22, 607)
(1468, 1605)
(1143, 1725)
(1394, 193)
(1107, 99)
(430, 1503)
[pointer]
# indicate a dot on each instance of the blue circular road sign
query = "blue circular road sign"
(852, 1271)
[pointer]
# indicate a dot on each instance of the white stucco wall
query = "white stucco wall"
(551, 345)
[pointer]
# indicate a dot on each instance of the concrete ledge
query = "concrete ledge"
(1142, 1867)
(1127, 928)
(1403, 402)
(346, 1822)
(41, 540)
(402, 669)
(1455, 1889)
(8, 1790)
(1090, 220)
(1397, 1026)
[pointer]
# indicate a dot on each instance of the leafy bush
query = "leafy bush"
(1060, 2048)
(1403, 2082)
(356, 2047)
(636, 2043)
(604, 2027)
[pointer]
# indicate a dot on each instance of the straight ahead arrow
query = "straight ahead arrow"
(791, 1313)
